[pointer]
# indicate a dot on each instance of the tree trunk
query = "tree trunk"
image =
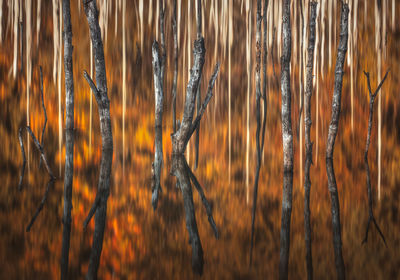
(158, 92)
(69, 144)
(308, 143)
(287, 136)
(198, 95)
(175, 81)
(103, 103)
(333, 128)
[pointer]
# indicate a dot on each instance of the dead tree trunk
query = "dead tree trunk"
(159, 57)
(259, 138)
(198, 95)
(158, 158)
(69, 144)
(308, 143)
(180, 138)
(371, 217)
(175, 81)
(333, 128)
(103, 103)
(287, 136)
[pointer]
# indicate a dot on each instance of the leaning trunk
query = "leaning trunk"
(103, 103)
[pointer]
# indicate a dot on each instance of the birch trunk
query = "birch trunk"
(287, 136)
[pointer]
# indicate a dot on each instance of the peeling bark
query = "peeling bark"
(287, 136)
(159, 96)
(333, 128)
(308, 143)
(103, 103)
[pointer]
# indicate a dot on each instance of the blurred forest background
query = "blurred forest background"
(140, 243)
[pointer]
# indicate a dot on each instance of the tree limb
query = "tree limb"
(204, 200)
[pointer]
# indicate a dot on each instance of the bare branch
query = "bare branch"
(44, 111)
(39, 147)
(95, 91)
(92, 211)
(207, 99)
(204, 200)
(49, 184)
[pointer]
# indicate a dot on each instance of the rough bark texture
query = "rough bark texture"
(287, 136)
(308, 143)
(180, 168)
(175, 80)
(158, 92)
(371, 217)
(333, 128)
(180, 137)
(69, 144)
(103, 103)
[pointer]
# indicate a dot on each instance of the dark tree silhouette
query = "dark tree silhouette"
(43, 158)
(198, 95)
(371, 217)
(100, 93)
(308, 143)
(259, 138)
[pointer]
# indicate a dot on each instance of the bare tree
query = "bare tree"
(180, 168)
(287, 136)
(100, 93)
(69, 143)
(158, 69)
(259, 138)
(308, 143)
(333, 128)
(372, 97)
